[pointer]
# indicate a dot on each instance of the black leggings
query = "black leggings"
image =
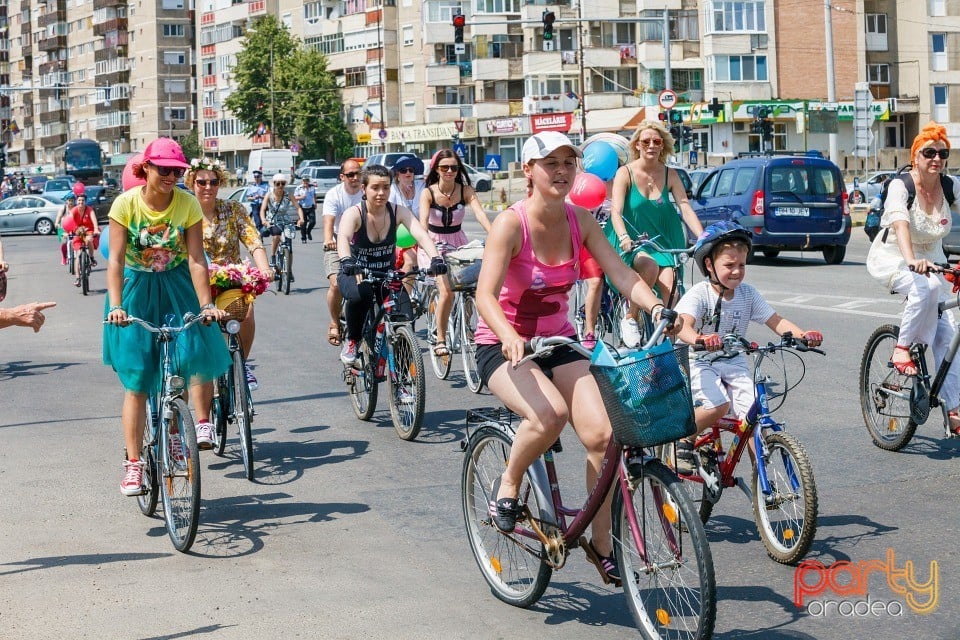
(309, 221)
(358, 298)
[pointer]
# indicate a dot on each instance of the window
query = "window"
(878, 73)
(408, 73)
(355, 77)
(737, 16)
(740, 68)
(174, 31)
(174, 57)
(171, 5)
(938, 47)
(175, 86)
(744, 180)
(876, 31)
(724, 183)
(941, 106)
(937, 8)
(496, 6)
(443, 11)
(683, 25)
(410, 111)
(176, 113)
(682, 79)
(312, 12)
(407, 31)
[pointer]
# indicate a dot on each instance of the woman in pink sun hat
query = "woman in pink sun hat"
(156, 267)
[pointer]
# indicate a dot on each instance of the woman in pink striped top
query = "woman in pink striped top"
(530, 263)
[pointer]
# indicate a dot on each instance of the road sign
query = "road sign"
(493, 162)
(295, 149)
(693, 158)
(667, 99)
(459, 125)
(459, 49)
(863, 117)
(383, 134)
(460, 149)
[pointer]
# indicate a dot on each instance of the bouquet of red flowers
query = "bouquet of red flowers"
(243, 276)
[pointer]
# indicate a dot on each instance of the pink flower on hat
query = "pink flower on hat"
(165, 152)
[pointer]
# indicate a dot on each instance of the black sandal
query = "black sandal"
(606, 565)
(503, 511)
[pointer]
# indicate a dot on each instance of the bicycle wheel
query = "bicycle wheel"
(180, 484)
(278, 269)
(618, 311)
(441, 364)
(84, 272)
(362, 381)
(286, 276)
(408, 384)
(71, 256)
(512, 564)
(242, 414)
(787, 518)
(148, 500)
(884, 393)
(468, 348)
(577, 303)
(220, 412)
(670, 588)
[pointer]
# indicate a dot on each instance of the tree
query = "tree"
(190, 144)
(297, 93)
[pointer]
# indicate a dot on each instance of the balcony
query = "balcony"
(208, 50)
(106, 4)
(207, 18)
(210, 81)
(607, 57)
(120, 76)
(257, 8)
(26, 51)
(52, 66)
(110, 53)
(497, 68)
(109, 134)
(448, 113)
(48, 117)
(105, 27)
(116, 104)
(53, 140)
(52, 17)
(557, 103)
(482, 110)
(53, 44)
(659, 5)
(442, 75)
(880, 91)
(541, 62)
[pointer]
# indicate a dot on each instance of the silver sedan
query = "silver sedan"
(27, 214)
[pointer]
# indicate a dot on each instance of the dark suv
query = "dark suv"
(790, 203)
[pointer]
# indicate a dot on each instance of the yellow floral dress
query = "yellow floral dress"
(230, 226)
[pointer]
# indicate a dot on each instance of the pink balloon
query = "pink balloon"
(78, 189)
(128, 180)
(588, 191)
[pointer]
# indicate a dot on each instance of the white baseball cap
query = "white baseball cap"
(542, 144)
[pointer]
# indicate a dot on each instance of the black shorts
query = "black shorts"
(490, 358)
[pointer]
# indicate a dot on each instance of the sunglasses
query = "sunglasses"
(930, 153)
(448, 167)
(652, 142)
(280, 183)
(405, 170)
(213, 182)
(352, 174)
(165, 171)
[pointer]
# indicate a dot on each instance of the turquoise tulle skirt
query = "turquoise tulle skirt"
(199, 354)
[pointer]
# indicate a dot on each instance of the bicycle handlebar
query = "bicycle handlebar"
(189, 319)
(539, 346)
(734, 345)
(644, 240)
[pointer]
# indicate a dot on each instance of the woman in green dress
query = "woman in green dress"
(641, 204)
(156, 267)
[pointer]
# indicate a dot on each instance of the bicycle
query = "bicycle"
(283, 257)
(233, 402)
(659, 542)
(172, 475)
(894, 405)
(783, 490)
(388, 350)
(463, 266)
(613, 307)
(83, 259)
(680, 258)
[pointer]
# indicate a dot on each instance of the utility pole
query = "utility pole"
(584, 33)
(272, 143)
(831, 78)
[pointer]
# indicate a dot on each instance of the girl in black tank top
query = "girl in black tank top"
(376, 256)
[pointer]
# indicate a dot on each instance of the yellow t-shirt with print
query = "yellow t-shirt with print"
(155, 239)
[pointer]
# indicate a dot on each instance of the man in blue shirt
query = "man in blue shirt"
(256, 192)
(306, 196)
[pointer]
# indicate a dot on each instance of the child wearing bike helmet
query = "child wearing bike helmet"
(723, 304)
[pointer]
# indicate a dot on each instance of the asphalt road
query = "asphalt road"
(349, 532)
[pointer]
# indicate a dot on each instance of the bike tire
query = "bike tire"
(278, 270)
(788, 537)
(884, 393)
(408, 384)
(513, 565)
(84, 272)
(71, 258)
(220, 412)
(468, 347)
(180, 482)
(287, 276)
(147, 501)
(618, 311)
(578, 303)
(242, 413)
(362, 385)
(672, 594)
(441, 364)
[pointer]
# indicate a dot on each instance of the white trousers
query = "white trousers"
(921, 324)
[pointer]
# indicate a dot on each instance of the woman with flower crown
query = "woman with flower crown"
(226, 224)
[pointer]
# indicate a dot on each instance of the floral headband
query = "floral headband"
(205, 164)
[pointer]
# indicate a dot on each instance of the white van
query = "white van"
(269, 162)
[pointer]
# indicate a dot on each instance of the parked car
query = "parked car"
(481, 180)
(868, 188)
(56, 189)
(951, 243)
(308, 163)
(323, 178)
(684, 178)
(240, 195)
(790, 203)
(35, 183)
(697, 176)
(28, 213)
(388, 159)
(101, 199)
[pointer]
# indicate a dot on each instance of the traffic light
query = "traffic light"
(766, 129)
(459, 22)
(662, 116)
(676, 131)
(687, 136)
(3, 159)
(676, 116)
(548, 19)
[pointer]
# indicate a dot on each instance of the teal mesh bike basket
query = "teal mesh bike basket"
(647, 396)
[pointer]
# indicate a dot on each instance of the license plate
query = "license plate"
(797, 212)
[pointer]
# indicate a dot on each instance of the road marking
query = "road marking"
(844, 305)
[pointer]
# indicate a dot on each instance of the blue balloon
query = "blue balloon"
(105, 242)
(601, 160)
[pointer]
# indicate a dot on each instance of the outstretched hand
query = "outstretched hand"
(27, 315)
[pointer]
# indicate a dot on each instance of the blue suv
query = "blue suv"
(790, 203)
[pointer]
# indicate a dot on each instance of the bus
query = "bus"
(82, 159)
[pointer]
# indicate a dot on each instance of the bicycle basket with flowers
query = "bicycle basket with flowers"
(235, 286)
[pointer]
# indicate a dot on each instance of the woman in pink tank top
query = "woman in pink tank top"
(530, 262)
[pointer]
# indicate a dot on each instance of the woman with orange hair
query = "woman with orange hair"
(909, 245)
